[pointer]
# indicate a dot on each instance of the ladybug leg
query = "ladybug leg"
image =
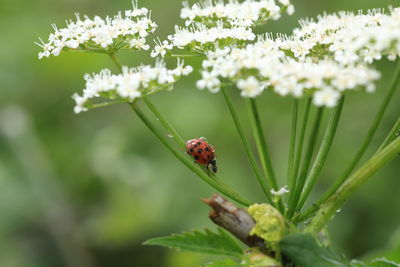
(212, 166)
(209, 171)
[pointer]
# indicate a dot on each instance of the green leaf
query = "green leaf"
(390, 252)
(222, 263)
(304, 251)
(378, 262)
(383, 262)
(208, 242)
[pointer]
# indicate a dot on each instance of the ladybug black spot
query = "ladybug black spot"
(196, 157)
(191, 150)
(195, 145)
(207, 149)
(200, 150)
(198, 143)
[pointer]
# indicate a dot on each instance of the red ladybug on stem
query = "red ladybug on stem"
(202, 152)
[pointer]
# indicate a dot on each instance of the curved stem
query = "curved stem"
(392, 134)
(373, 128)
(291, 176)
(262, 147)
(371, 132)
(376, 122)
(306, 164)
(171, 130)
(322, 153)
(336, 201)
(262, 181)
(114, 59)
(183, 55)
(179, 140)
(215, 183)
(106, 104)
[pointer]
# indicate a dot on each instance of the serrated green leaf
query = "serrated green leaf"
(208, 242)
(304, 251)
(222, 263)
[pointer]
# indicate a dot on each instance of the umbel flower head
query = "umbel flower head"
(347, 37)
(198, 38)
(216, 24)
(127, 30)
(131, 84)
(263, 65)
(233, 13)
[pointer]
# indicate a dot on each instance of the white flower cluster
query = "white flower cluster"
(264, 65)
(349, 38)
(104, 35)
(215, 24)
(200, 38)
(131, 84)
(233, 13)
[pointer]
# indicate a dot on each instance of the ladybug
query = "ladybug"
(202, 152)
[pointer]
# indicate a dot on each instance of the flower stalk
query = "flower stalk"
(291, 172)
(371, 132)
(294, 197)
(375, 124)
(336, 201)
(262, 147)
(322, 153)
(262, 181)
(299, 149)
(392, 134)
(115, 60)
(167, 125)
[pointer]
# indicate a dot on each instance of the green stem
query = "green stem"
(299, 150)
(214, 182)
(171, 130)
(114, 59)
(182, 55)
(291, 180)
(392, 134)
(246, 145)
(106, 104)
(306, 164)
(90, 50)
(336, 201)
(262, 147)
(322, 153)
(371, 132)
(375, 123)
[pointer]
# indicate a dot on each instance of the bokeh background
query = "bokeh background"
(88, 189)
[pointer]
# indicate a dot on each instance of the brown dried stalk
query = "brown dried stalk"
(235, 220)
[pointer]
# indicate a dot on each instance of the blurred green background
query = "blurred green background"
(88, 189)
